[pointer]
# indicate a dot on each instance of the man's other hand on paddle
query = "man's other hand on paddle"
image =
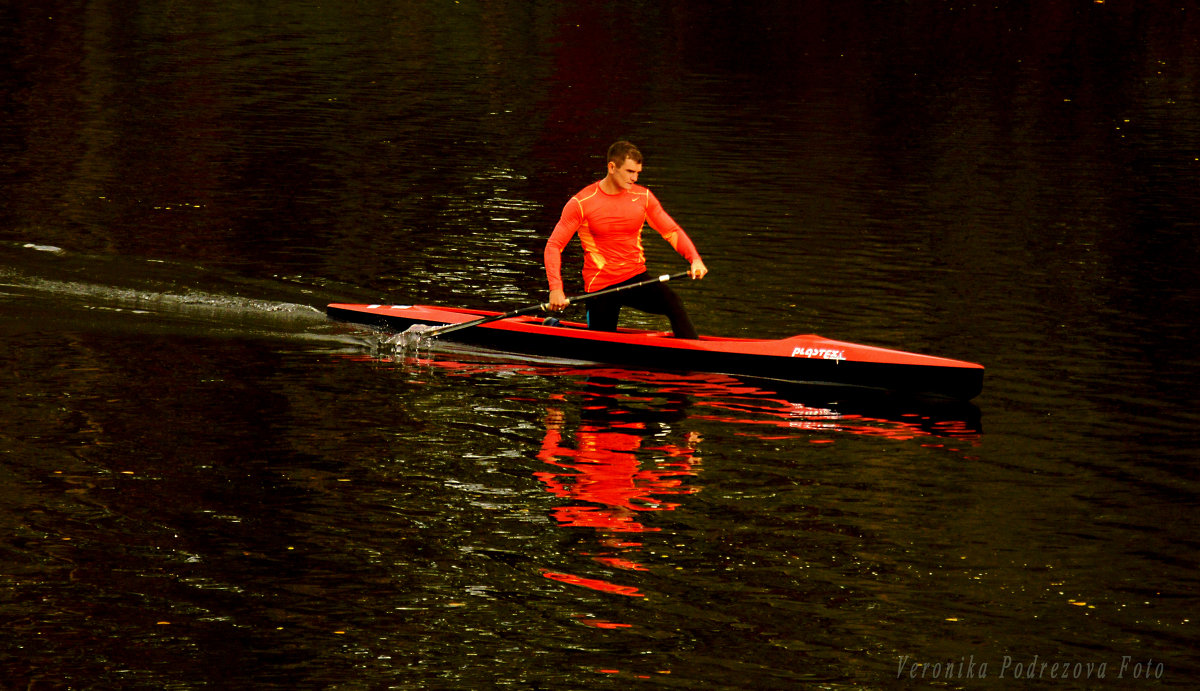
(558, 301)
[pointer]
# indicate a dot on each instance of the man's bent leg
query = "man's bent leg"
(660, 299)
(602, 314)
(681, 323)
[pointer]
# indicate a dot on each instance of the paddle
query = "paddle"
(441, 330)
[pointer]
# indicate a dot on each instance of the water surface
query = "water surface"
(207, 483)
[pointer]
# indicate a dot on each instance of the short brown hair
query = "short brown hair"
(619, 151)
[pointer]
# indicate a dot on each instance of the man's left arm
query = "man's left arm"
(673, 233)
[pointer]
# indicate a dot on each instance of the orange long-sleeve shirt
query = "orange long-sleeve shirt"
(610, 229)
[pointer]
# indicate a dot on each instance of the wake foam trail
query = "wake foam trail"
(41, 303)
(222, 307)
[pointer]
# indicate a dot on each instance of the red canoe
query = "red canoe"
(800, 360)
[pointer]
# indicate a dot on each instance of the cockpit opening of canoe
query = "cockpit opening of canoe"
(801, 360)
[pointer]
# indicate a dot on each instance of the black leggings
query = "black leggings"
(656, 298)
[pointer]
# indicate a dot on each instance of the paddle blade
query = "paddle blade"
(409, 338)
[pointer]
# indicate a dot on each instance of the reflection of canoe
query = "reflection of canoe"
(807, 360)
(647, 397)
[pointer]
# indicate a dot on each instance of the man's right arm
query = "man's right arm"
(572, 218)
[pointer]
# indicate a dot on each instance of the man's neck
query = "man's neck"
(607, 186)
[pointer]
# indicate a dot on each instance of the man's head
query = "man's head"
(624, 164)
(619, 151)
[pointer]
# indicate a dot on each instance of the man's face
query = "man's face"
(625, 174)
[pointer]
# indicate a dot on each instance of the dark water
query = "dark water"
(205, 483)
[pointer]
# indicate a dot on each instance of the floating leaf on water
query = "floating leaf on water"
(42, 248)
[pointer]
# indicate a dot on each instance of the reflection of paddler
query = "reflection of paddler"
(604, 469)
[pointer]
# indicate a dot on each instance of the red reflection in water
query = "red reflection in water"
(600, 623)
(603, 469)
(593, 583)
(802, 418)
(612, 480)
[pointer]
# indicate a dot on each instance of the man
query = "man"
(609, 215)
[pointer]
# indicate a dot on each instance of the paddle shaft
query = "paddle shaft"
(441, 330)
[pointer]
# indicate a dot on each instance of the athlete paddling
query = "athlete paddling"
(609, 215)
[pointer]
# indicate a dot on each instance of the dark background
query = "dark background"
(189, 441)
